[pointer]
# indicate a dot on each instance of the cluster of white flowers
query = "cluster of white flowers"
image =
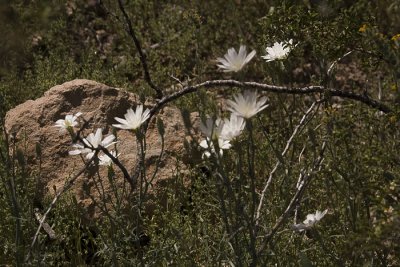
(133, 120)
(234, 62)
(244, 106)
(218, 131)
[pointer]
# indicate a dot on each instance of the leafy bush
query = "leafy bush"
(340, 141)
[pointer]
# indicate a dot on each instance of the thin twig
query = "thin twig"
(46, 227)
(142, 56)
(298, 185)
(131, 180)
(278, 162)
(337, 61)
(66, 186)
(305, 181)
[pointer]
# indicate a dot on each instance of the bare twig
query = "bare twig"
(66, 186)
(298, 185)
(278, 162)
(337, 61)
(46, 227)
(142, 56)
(305, 179)
(131, 179)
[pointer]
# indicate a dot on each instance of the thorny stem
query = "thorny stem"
(15, 205)
(323, 246)
(225, 182)
(141, 140)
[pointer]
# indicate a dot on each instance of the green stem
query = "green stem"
(251, 224)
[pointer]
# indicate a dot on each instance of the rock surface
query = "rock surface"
(32, 123)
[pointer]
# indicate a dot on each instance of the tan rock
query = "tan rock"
(32, 123)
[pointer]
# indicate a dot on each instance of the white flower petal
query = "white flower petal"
(314, 218)
(92, 141)
(133, 119)
(232, 127)
(209, 146)
(246, 105)
(212, 128)
(106, 160)
(108, 141)
(69, 121)
(74, 152)
(278, 51)
(234, 62)
(300, 227)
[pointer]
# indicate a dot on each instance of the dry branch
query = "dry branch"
(142, 56)
(221, 84)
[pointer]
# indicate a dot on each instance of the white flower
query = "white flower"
(233, 61)
(70, 121)
(93, 141)
(310, 221)
(208, 144)
(232, 127)
(314, 218)
(106, 160)
(278, 51)
(246, 105)
(212, 128)
(133, 120)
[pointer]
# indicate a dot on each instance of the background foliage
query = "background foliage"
(45, 43)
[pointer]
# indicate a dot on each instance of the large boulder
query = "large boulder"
(32, 124)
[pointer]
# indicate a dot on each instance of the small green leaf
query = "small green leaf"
(21, 158)
(186, 119)
(160, 126)
(38, 150)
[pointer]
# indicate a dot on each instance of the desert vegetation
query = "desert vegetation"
(290, 128)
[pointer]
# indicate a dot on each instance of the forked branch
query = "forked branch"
(278, 162)
(305, 178)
